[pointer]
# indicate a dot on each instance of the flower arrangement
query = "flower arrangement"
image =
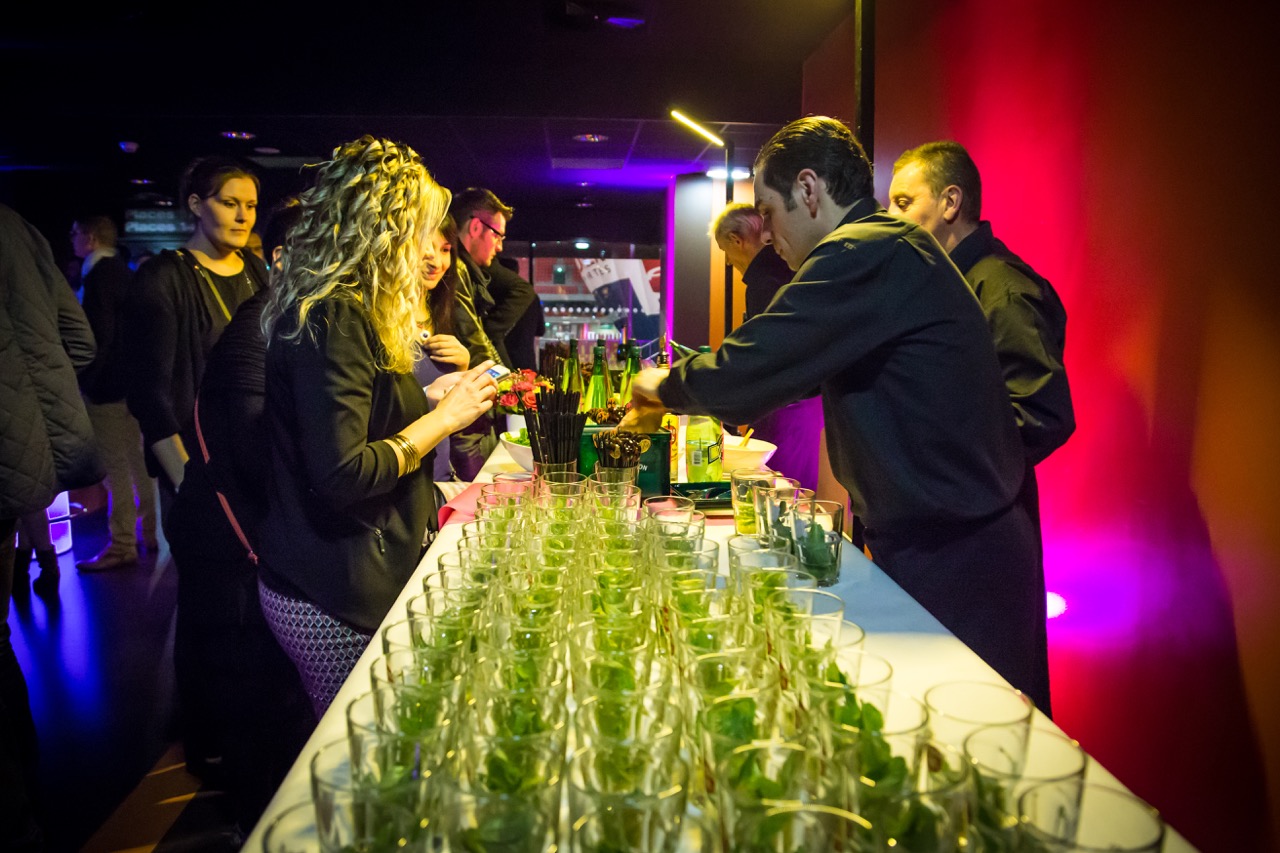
(518, 392)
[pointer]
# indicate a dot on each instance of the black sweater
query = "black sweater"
(172, 321)
(343, 529)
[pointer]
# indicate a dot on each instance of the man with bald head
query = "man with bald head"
(796, 428)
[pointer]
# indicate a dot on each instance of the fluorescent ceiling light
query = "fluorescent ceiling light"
(697, 128)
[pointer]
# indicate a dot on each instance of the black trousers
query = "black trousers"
(19, 782)
(984, 581)
(243, 712)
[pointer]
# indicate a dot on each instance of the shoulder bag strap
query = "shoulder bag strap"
(222, 499)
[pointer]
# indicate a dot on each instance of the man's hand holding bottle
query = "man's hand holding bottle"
(646, 406)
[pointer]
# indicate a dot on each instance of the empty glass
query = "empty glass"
(773, 499)
(1051, 757)
(1101, 818)
(959, 708)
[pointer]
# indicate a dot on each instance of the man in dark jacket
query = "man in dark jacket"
(488, 306)
(919, 428)
(46, 446)
(498, 300)
(938, 187)
(131, 494)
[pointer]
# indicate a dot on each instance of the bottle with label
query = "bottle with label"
(670, 422)
(599, 388)
(702, 443)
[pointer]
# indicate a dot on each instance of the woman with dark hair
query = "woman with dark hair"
(434, 317)
(180, 302)
(349, 499)
(244, 713)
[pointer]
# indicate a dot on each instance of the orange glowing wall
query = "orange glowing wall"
(1128, 153)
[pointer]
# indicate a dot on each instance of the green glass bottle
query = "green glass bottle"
(599, 388)
(571, 373)
(629, 372)
(704, 443)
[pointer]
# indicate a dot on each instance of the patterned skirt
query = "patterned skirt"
(324, 649)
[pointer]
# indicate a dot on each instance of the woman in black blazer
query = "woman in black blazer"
(350, 494)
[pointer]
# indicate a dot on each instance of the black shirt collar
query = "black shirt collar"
(974, 248)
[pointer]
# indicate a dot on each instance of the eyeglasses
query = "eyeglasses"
(499, 234)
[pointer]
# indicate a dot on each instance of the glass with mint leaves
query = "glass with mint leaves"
(626, 799)
(816, 531)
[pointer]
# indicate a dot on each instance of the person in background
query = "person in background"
(435, 318)
(796, 428)
(255, 245)
(178, 306)
(243, 712)
(46, 446)
(348, 500)
(938, 187)
(35, 543)
(918, 423)
(739, 232)
(131, 493)
(498, 300)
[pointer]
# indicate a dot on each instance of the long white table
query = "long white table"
(922, 652)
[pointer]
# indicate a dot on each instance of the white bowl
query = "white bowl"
(755, 455)
(522, 453)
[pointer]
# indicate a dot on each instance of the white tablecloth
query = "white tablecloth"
(922, 652)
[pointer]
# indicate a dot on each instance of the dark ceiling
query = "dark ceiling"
(490, 93)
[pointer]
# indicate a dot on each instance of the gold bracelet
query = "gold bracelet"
(412, 458)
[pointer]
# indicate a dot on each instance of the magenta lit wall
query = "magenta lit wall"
(1127, 154)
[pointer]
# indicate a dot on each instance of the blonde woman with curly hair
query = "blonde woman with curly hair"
(350, 495)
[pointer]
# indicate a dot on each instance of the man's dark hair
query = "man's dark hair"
(100, 227)
(824, 145)
(281, 218)
(944, 164)
(474, 199)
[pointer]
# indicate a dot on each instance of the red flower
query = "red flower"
(521, 387)
(509, 400)
(531, 400)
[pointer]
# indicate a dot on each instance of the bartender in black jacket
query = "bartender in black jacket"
(919, 428)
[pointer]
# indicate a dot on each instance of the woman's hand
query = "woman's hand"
(447, 349)
(469, 396)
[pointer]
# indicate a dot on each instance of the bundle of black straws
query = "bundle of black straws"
(555, 427)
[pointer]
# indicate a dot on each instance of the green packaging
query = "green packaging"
(654, 477)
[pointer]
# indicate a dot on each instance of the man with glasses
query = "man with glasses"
(490, 301)
(496, 298)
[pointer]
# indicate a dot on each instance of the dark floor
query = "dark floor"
(99, 665)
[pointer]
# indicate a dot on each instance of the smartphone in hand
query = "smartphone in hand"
(498, 371)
